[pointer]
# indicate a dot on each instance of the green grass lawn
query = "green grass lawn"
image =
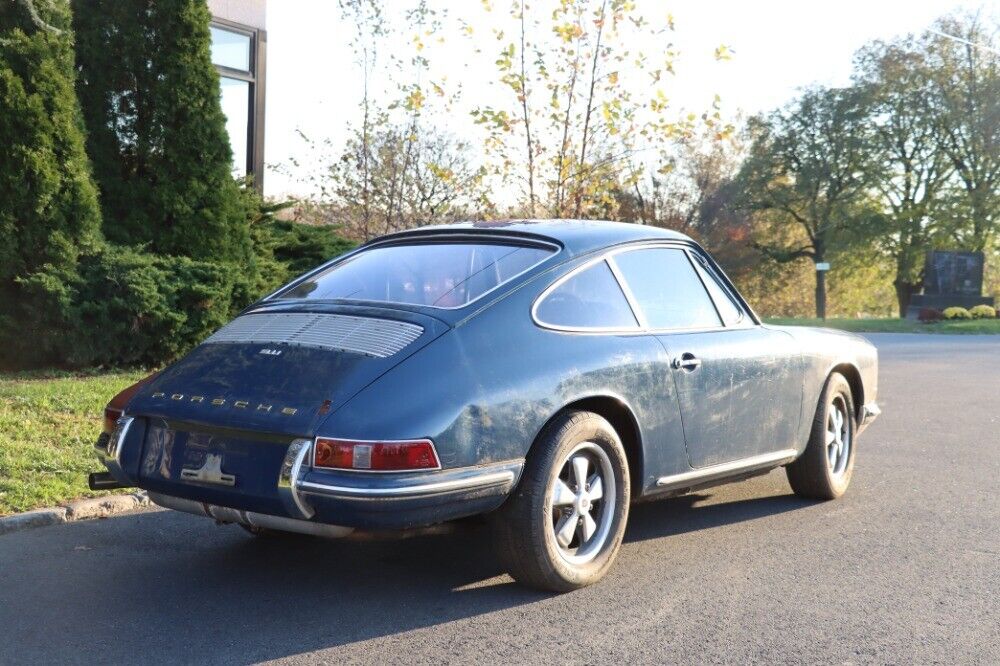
(969, 327)
(48, 426)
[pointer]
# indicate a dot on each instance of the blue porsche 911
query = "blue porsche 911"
(546, 373)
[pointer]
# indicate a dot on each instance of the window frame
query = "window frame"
(588, 329)
(456, 239)
(712, 274)
(692, 252)
(255, 77)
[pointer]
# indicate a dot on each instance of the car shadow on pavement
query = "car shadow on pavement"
(689, 513)
(170, 587)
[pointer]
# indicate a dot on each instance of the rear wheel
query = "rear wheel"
(824, 469)
(563, 526)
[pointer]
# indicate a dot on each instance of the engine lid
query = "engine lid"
(283, 370)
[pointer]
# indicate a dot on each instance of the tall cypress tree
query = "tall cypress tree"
(48, 202)
(156, 131)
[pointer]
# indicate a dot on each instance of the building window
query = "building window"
(238, 55)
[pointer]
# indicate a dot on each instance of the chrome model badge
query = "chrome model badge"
(270, 352)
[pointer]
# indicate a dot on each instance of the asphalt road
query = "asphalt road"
(904, 569)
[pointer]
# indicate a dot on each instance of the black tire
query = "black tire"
(813, 475)
(524, 526)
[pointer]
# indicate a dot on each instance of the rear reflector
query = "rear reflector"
(393, 456)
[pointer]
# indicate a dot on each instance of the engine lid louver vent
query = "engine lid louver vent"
(360, 335)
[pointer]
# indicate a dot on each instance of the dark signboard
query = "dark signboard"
(959, 273)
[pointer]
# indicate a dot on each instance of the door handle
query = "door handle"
(687, 362)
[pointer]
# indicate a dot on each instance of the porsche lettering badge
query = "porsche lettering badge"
(222, 402)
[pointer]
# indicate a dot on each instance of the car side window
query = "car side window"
(731, 313)
(590, 299)
(667, 289)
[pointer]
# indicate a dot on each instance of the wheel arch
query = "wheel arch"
(622, 418)
(853, 377)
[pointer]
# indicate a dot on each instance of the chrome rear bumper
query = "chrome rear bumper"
(298, 483)
(227, 515)
(328, 502)
(109, 449)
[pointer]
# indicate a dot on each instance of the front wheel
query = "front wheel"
(824, 469)
(563, 526)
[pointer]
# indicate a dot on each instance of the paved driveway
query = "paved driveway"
(904, 569)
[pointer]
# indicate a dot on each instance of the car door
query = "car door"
(736, 381)
(600, 338)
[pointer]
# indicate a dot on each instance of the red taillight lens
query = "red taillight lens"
(334, 454)
(378, 456)
(111, 417)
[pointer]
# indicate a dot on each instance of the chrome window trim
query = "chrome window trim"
(633, 302)
(585, 329)
(695, 261)
(643, 328)
(429, 239)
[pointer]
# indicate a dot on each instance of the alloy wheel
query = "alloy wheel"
(581, 503)
(838, 437)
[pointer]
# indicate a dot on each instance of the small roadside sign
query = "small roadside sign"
(823, 266)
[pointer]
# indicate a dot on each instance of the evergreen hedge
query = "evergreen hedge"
(189, 247)
(156, 131)
(48, 202)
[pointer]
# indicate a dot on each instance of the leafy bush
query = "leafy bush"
(983, 312)
(141, 308)
(302, 247)
(957, 313)
(929, 315)
(126, 307)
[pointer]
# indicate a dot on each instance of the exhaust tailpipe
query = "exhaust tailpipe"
(105, 481)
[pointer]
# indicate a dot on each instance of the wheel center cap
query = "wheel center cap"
(583, 504)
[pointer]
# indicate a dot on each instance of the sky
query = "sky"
(778, 46)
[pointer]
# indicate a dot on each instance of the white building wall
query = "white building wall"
(247, 12)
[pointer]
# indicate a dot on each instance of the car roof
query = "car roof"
(576, 236)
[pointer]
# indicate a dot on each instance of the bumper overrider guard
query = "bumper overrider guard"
(316, 500)
(869, 412)
(109, 449)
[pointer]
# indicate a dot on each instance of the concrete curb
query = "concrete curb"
(85, 509)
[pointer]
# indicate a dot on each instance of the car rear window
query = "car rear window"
(441, 275)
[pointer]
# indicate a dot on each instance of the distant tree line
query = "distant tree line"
(871, 176)
(906, 159)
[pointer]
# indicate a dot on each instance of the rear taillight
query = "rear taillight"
(395, 456)
(113, 410)
(111, 416)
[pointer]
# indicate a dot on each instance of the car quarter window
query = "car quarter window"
(666, 288)
(731, 313)
(590, 299)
